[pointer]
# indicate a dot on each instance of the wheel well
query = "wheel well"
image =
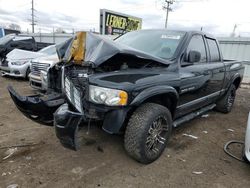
(168, 100)
(237, 82)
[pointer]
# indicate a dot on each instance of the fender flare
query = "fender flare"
(234, 77)
(153, 91)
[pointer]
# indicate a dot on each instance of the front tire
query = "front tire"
(148, 132)
(225, 104)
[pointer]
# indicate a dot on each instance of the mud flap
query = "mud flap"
(66, 125)
(37, 108)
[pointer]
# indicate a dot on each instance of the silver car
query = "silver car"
(17, 63)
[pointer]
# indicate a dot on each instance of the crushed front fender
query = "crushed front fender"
(37, 108)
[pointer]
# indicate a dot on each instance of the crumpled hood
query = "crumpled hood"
(100, 49)
(18, 54)
(90, 47)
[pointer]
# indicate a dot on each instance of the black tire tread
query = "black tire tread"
(135, 129)
(221, 105)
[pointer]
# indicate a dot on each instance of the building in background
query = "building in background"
(237, 49)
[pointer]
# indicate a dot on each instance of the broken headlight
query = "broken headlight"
(110, 97)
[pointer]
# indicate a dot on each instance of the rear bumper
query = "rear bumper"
(37, 108)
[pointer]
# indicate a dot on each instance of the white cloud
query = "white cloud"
(215, 16)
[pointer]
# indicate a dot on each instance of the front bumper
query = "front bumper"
(36, 82)
(67, 122)
(37, 108)
(66, 125)
(14, 70)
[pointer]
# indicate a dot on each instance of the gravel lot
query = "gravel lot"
(102, 161)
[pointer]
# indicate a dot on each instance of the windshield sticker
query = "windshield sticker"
(175, 37)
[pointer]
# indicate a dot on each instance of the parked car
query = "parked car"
(17, 63)
(12, 41)
(143, 84)
(40, 66)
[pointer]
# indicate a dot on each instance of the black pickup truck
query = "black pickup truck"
(142, 84)
(12, 41)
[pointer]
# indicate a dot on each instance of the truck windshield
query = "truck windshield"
(160, 43)
(49, 50)
(6, 39)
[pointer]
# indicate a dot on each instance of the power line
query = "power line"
(32, 16)
(167, 8)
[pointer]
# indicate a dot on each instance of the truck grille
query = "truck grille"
(37, 67)
(73, 94)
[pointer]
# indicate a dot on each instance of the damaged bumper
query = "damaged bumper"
(37, 108)
(66, 125)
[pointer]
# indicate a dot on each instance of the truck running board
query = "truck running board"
(192, 115)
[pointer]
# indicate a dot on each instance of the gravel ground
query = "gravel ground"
(102, 161)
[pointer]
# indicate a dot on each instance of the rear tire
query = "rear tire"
(148, 132)
(225, 104)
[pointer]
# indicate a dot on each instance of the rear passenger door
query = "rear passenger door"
(197, 79)
(216, 65)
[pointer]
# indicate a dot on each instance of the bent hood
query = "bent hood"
(18, 54)
(90, 47)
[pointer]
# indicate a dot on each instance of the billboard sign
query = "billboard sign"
(114, 23)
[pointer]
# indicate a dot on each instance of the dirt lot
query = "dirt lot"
(102, 161)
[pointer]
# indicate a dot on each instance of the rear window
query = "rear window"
(214, 50)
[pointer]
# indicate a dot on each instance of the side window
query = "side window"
(214, 50)
(197, 44)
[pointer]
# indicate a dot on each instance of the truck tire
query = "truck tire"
(148, 132)
(225, 104)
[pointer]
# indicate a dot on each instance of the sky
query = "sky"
(217, 17)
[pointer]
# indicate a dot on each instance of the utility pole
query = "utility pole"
(167, 8)
(32, 16)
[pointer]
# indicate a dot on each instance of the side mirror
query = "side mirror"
(194, 56)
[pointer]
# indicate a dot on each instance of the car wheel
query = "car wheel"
(225, 104)
(148, 132)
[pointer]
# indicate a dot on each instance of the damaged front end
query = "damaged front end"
(68, 103)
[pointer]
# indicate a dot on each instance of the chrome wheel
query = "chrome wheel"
(157, 134)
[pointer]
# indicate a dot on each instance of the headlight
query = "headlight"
(19, 62)
(110, 97)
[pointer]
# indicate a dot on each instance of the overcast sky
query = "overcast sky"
(217, 17)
